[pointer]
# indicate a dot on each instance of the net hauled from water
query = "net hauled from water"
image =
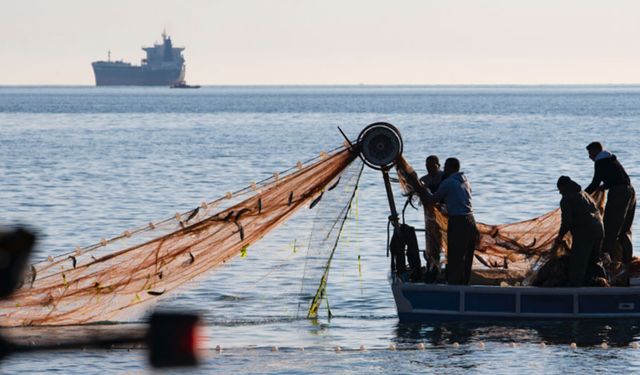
(325, 235)
(99, 284)
(516, 250)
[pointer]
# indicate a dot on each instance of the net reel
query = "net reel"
(380, 145)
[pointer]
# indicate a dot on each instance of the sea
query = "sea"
(78, 164)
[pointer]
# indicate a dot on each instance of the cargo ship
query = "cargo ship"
(163, 66)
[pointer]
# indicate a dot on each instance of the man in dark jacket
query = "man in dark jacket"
(434, 175)
(432, 181)
(581, 217)
(621, 201)
(462, 234)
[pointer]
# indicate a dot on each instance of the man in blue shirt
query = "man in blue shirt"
(462, 234)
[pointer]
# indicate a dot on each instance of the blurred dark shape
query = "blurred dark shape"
(6, 348)
(15, 249)
(172, 339)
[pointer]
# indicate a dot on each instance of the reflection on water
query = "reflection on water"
(583, 333)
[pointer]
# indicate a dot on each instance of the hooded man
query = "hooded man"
(581, 217)
(621, 201)
(462, 234)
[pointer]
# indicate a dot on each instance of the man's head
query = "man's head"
(566, 185)
(594, 148)
(451, 166)
(433, 164)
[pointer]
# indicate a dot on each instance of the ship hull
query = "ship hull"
(110, 74)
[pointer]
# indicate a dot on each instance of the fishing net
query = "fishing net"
(327, 229)
(106, 280)
(513, 251)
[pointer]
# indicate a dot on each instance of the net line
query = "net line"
(324, 239)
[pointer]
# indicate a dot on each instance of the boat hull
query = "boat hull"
(425, 302)
(114, 74)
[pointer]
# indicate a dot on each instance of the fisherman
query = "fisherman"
(581, 217)
(431, 181)
(621, 202)
(462, 234)
(434, 175)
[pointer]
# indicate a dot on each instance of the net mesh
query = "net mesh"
(326, 232)
(107, 280)
(512, 251)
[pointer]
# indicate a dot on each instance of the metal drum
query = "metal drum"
(380, 145)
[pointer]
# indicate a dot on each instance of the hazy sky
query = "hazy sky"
(330, 41)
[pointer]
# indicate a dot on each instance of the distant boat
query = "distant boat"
(183, 85)
(163, 66)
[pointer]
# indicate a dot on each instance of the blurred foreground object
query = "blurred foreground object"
(15, 248)
(173, 339)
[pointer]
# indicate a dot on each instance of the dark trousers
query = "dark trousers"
(618, 218)
(462, 236)
(585, 252)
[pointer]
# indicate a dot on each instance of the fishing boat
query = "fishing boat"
(183, 85)
(381, 147)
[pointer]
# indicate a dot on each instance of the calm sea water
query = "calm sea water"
(82, 163)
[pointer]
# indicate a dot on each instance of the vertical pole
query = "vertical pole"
(393, 218)
(392, 204)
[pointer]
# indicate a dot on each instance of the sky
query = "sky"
(325, 42)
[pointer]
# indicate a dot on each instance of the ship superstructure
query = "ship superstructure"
(163, 66)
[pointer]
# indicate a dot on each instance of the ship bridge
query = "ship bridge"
(161, 54)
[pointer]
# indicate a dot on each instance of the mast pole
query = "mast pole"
(393, 218)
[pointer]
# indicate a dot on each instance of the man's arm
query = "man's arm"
(439, 195)
(597, 179)
(567, 217)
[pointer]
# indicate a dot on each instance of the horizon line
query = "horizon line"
(330, 85)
